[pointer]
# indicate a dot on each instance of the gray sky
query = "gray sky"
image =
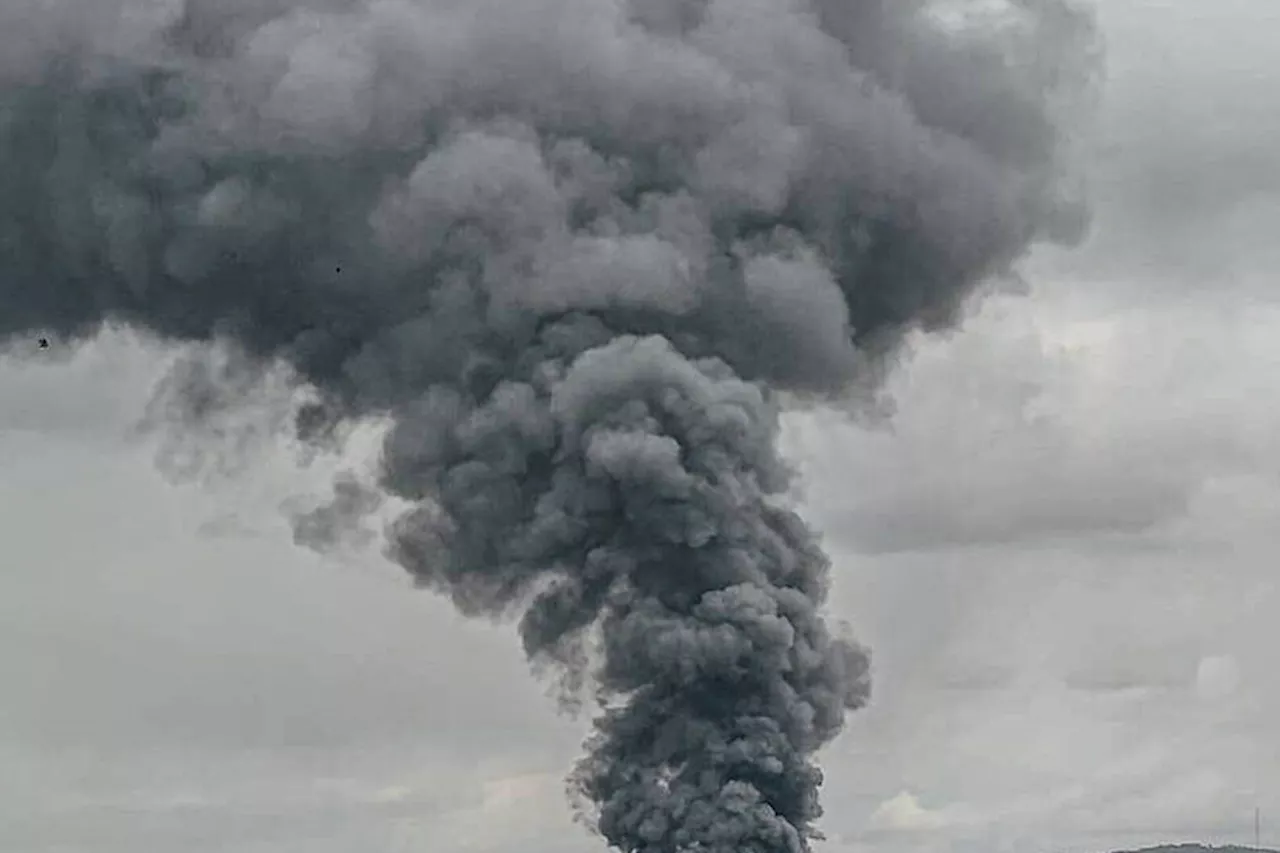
(1059, 550)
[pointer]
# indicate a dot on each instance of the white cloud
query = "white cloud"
(1033, 425)
(1217, 677)
(903, 813)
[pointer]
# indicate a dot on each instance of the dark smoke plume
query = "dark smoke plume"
(574, 251)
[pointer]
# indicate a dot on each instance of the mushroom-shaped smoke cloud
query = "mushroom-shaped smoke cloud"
(573, 251)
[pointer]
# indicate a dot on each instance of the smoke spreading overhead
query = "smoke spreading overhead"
(576, 253)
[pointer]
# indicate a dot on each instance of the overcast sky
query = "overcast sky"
(1060, 549)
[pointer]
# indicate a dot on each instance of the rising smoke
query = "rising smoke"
(573, 251)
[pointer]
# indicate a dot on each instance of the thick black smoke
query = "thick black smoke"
(572, 250)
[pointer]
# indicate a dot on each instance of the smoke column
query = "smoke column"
(575, 252)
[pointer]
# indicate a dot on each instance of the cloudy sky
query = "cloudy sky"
(1059, 549)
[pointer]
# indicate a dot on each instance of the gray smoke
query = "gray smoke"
(573, 251)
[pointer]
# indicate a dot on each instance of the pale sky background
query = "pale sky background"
(1061, 550)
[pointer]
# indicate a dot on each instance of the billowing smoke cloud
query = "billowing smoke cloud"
(572, 250)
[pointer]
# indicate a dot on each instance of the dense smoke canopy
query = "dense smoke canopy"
(572, 251)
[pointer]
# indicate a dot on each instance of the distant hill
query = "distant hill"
(1201, 848)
